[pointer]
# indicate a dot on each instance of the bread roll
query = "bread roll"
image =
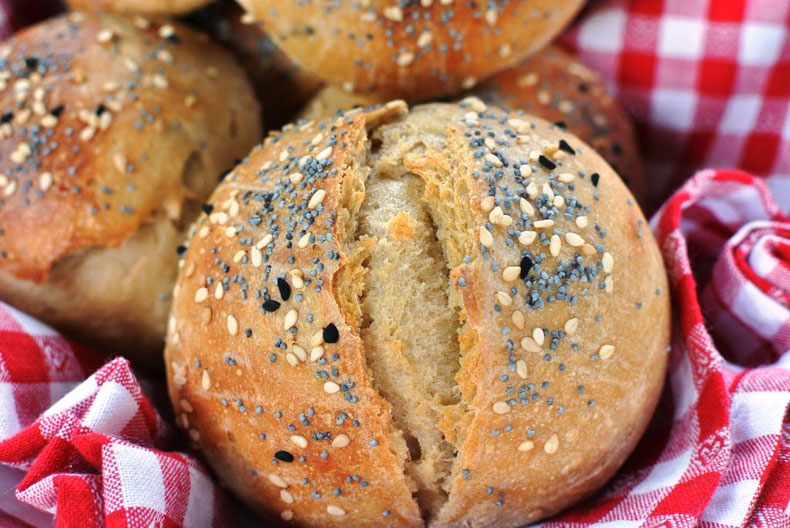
(415, 50)
(551, 85)
(112, 136)
(141, 7)
(453, 317)
(282, 87)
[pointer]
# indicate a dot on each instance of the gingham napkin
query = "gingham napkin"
(706, 81)
(709, 84)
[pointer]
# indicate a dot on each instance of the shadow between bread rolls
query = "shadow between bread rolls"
(114, 131)
(451, 316)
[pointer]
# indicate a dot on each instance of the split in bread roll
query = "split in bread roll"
(140, 7)
(551, 85)
(282, 87)
(452, 317)
(114, 132)
(414, 50)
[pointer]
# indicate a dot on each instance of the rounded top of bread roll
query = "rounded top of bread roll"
(452, 317)
(551, 85)
(141, 7)
(99, 115)
(558, 88)
(415, 50)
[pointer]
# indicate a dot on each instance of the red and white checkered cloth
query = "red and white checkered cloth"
(706, 81)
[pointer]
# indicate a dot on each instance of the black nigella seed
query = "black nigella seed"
(595, 178)
(223, 174)
(284, 456)
(6, 117)
(181, 250)
(31, 63)
(100, 109)
(57, 110)
(561, 124)
(270, 305)
(546, 162)
(566, 147)
(207, 208)
(331, 335)
(526, 266)
(284, 287)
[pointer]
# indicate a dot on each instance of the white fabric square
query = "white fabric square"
(729, 504)
(664, 474)
(756, 414)
(760, 43)
(780, 183)
(140, 477)
(9, 420)
(741, 114)
(603, 31)
(681, 37)
(200, 506)
(683, 386)
(674, 109)
(80, 393)
(111, 410)
(617, 524)
(765, 321)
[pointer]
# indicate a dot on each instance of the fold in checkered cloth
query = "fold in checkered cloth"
(717, 453)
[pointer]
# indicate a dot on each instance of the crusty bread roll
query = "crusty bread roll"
(141, 7)
(113, 135)
(551, 85)
(414, 50)
(454, 317)
(282, 87)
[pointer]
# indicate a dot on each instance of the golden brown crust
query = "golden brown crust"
(142, 7)
(109, 125)
(419, 51)
(563, 334)
(550, 85)
(554, 86)
(281, 85)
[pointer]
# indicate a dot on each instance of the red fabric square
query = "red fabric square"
(726, 10)
(759, 152)
(637, 69)
(716, 76)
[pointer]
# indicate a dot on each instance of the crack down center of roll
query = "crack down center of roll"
(409, 327)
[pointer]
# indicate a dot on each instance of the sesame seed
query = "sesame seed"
(486, 238)
(316, 199)
(256, 257)
(341, 440)
(330, 387)
(538, 335)
(286, 496)
(335, 510)
(526, 207)
(201, 295)
(521, 369)
(526, 238)
(290, 319)
(609, 284)
(511, 273)
(606, 351)
(526, 445)
(299, 440)
(532, 190)
(317, 339)
(316, 353)
(425, 39)
(493, 160)
(265, 241)
(581, 222)
(573, 239)
(277, 480)
(543, 224)
(205, 380)
(233, 325)
(566, 177)
(501, 407)
(530, 345)
(571, 325)
(405, 59)
(299, 352)
(304, 241)
(45, 181)
(518, 319)
(487, 203)
(324, 154)
(394, 13)
(554, 246)
(287, 515)
(504, 298)
(551, 446)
